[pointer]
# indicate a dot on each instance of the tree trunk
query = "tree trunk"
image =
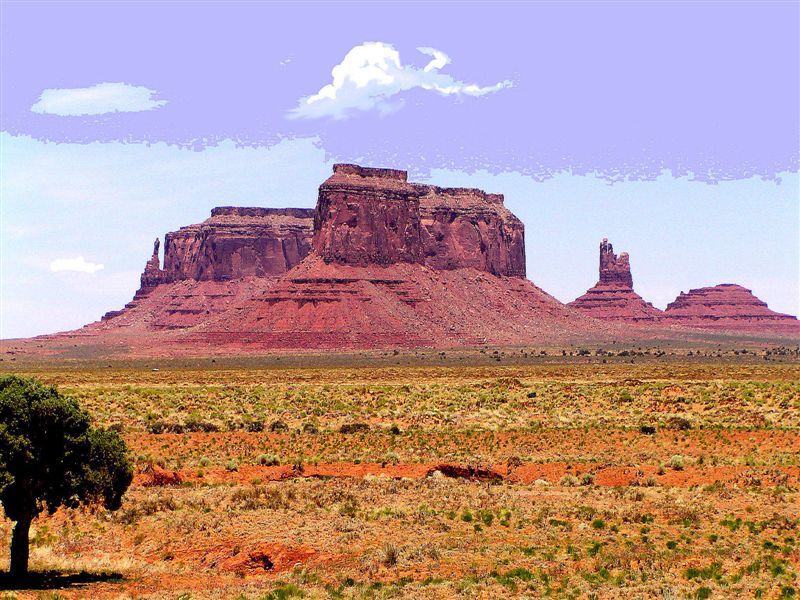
(19, 547)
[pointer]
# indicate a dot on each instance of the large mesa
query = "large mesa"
(381, 261)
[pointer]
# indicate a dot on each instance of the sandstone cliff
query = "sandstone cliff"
(464, 227)
(233, 244)
(238, 242)
(368, 216)
(375, 216)
(612, 297)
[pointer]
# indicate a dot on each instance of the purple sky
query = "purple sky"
(691, 108)
(623, 88)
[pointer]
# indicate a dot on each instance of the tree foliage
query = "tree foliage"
(51, 456)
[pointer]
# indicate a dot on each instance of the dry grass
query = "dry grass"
(442, 537)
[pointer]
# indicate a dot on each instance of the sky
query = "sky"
(671, 128)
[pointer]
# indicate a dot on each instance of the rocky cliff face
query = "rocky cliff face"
(726, 306)
(152, 274)
(368, 216)
(464, 227)
(375, 216)
(239, 242)
(234, 243)
(363, 217)
(612, 297)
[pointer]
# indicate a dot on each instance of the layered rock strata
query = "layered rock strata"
(726, 306)
(234, 243)
(238, 242)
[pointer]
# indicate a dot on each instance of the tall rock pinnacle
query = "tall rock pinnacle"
(613, 297)
(614, 269)
(152, 275)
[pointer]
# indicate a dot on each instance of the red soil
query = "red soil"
(527, 474)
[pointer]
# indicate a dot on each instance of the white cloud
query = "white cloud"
(370, 74)
(98, 99)
(75, 264)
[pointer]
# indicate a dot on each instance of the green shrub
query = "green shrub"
(568, 480)
(677, 462)
(268, 460)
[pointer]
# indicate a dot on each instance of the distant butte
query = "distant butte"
(726, 306)
(382, 262)
(612, 297)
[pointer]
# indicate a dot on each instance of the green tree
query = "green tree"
(51, 456)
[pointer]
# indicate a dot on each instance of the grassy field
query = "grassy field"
(666, 478)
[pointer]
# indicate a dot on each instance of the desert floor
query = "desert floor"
(484, 475)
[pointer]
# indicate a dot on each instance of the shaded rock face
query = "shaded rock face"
(368, 216)
(152, 274)
(727, 306)
(151, 277)
(238, 242)
(375, 216)
(612, 297)
(469, 228)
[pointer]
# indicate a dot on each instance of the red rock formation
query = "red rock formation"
(322, 304)
(239, 242)
(381, 263)
(152, 274)
(368, 216)
(612, 297)
(392, 264)
(234, 243)
(374, 216)
(726, 306)
(614, 270)
(150, 279)
(469, 228)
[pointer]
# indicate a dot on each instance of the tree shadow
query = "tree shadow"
(55, 580)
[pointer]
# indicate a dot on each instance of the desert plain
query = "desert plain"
(644, 472)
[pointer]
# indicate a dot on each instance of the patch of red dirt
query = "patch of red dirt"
(267, 558)
(155, 476)
(471, 473)
(526, 473)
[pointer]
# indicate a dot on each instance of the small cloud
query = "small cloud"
(98, 99)
(371, 74)
(78, 264)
